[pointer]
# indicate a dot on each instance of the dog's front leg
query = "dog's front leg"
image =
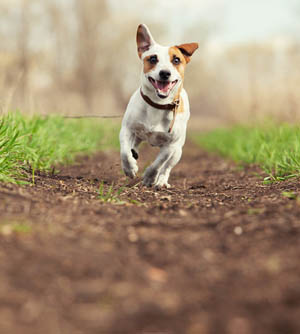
(163, 177)
(152, 172)
(129, 143)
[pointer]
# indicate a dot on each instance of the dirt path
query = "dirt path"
(218, 253)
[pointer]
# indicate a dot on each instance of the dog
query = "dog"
(158, 111)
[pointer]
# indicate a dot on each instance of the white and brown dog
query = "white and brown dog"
(158, 111)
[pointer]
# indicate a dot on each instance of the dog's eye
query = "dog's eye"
(153, 60)
(176, 60)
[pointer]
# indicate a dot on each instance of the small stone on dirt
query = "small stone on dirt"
(238, 230)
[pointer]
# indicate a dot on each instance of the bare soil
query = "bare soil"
(217, 253)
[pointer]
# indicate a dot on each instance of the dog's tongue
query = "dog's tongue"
(163, 86)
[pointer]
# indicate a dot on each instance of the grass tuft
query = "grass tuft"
(30, 144)
(9, 227)
(275, 148)
(110, 195)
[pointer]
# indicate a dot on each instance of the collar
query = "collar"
(171, 106)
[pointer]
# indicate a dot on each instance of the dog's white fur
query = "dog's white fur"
(142, 122)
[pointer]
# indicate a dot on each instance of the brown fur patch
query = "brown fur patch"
(147, 65)
(180, 109)
(187, 50)
(175, 52)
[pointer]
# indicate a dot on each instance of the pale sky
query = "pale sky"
(259, 20)
(230, 21)
(235, 21)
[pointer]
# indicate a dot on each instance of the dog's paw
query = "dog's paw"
(150, 177)
(162, 185)
(162, 182)
(130, 172)
(129, 166)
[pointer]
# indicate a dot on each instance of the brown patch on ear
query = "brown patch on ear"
(187, 50)
(143, 39)
(147, 65)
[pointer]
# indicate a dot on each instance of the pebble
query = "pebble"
(238, 230)
(6, 230)
(182, 213)
(132, 235)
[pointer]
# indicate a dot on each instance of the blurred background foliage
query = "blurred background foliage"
(79, 57)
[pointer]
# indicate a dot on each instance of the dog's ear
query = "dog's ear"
(187, 50)
(144, 39)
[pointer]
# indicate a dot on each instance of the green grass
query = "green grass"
(28, 144)
(8, 227)
(275, 148)
(110, 195)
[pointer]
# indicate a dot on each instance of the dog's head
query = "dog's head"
(163, 67)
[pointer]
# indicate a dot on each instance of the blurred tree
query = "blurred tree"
(198, 78)
(23, 40)
(89, 62)
(59, 29)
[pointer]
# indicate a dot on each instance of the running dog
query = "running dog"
(159, 110)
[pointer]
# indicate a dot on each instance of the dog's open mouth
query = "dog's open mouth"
(163, 88)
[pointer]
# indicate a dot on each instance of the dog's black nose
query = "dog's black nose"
(164, 74)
